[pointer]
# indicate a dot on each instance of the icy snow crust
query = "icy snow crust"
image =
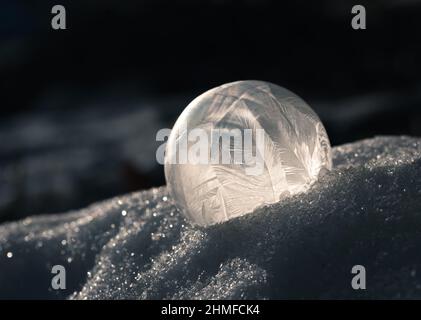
(366, 211)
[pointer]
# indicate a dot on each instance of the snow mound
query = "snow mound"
(366, 211)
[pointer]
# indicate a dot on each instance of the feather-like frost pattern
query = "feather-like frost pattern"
(294, 149)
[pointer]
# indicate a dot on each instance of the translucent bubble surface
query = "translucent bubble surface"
(275, 146)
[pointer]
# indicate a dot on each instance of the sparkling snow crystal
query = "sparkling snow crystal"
(276, 146)
(366, 211)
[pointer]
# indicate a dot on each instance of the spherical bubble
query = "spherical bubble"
(241, 145)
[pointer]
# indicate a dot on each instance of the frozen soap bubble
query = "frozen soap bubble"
(242, 145)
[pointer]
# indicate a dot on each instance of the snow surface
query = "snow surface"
(366, 211)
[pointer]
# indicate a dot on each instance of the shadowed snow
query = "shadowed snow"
(366, 211)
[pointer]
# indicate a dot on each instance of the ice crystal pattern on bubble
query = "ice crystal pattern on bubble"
(296, 149)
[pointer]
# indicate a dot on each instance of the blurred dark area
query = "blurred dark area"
(80, 107)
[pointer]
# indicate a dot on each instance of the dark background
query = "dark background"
(80, 107)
